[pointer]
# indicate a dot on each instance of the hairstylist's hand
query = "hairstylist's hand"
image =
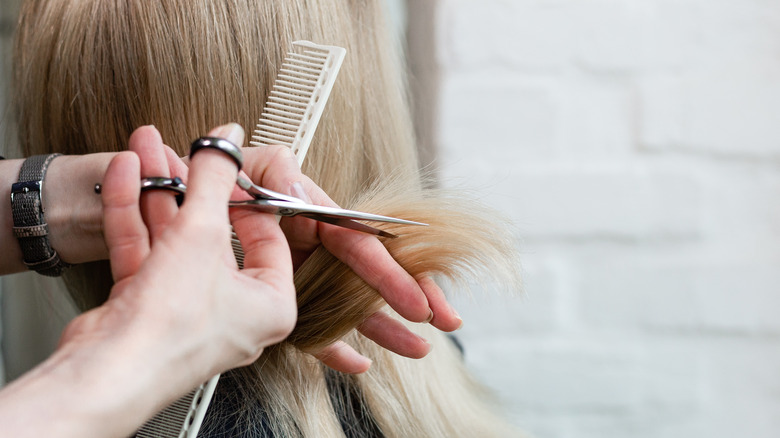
(420, 300)
(179, 296)
(275, 168)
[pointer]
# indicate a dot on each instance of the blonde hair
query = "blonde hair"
(88, 73)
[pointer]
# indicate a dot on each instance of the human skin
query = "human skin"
(179, 312)
(170, 324)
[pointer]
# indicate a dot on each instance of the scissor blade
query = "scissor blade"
(349, 223)
(286, 208)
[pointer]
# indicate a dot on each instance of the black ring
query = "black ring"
(221, 145)
(174, 184)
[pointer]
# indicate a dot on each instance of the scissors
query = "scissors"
(269, 201)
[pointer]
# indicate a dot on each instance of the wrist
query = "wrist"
(72, 210)
(85, 389)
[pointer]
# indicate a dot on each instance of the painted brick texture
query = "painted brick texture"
(636, 146)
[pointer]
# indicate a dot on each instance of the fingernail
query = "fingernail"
(460, 321)
(457, 316)
(232, 132)
(430, 346)
(430, 317)
(299, 192)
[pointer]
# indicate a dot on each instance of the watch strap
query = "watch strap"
(30, 226)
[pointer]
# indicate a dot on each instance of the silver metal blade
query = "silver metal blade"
(286, 208)
(349, 223)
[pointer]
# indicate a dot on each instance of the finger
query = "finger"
(276, 168)
(264, 244)
(342, 357)
(366, 255)
(158, 207)
(176, 165)
(273, 166)
(126, 235)
(212, 173)
(306, 231)
(445, 318)
(392, 335)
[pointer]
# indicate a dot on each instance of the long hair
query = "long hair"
(88, 73)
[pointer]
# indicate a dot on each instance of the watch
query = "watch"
(30, 226)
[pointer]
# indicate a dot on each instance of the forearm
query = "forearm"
(72, 210)
(90, 389)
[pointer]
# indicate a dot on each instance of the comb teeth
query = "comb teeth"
(295, 104)
(289, 118)
(298, 97)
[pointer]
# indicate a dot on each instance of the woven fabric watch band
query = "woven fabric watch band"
(30, 227)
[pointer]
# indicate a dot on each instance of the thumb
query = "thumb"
(212, 174)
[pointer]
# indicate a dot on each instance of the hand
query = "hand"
(179, 294)
(276, 168)
(416, 300)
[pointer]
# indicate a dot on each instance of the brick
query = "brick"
(596, 121)
(726, 33)
(625, 292)
(501, 118)
(604, 36)
(739, 218)
(539, 309)
(742, 385)
(728, 111)
(518, 118)
(634, 424)
(741, 368)
(473, 35)
(639, 293)
(558, 375)
(634, 145)
(612, 36)
(588, 202)
(601, 36)
(579, 387)
(740, 298)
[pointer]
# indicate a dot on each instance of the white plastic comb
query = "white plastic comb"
(296, 103)
(298, 97)
(290, 117)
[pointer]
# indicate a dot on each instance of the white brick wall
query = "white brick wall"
(636, 145)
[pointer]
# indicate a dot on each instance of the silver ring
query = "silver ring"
(221, 145)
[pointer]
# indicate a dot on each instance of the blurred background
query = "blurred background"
(636, 148)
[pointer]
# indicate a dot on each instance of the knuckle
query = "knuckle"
(285, 313)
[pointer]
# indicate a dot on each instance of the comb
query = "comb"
(296, 103)
(290, 117)
(298, 97)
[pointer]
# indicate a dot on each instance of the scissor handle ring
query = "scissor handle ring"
(220, 144)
